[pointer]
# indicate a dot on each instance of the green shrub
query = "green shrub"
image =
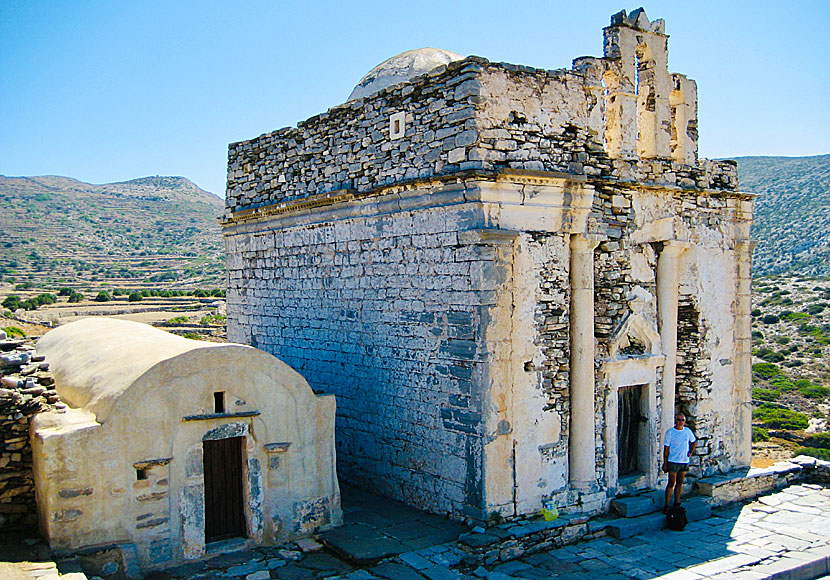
(776, 418)
(192, 336)
(213, 319)
(103, 296)
(756, 312)
(14, 331)
(821, 440)
(770, 319)
(814, 391)
(65, 292)
(758, 334)
(781, 339)
(766, 370)
(765, 394)
(815, 308)
(823, 454)
(12, 302)
(135, 297)
(179, 320)
(783, 384)
(76, 297)
(759, 434)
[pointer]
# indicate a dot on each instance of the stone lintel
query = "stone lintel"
(488, 237)
(207, 417)
(152, 462)
(280, 447)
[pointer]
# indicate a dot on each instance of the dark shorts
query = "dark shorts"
(675, 467)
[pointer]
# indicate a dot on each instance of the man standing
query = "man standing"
(677, 449)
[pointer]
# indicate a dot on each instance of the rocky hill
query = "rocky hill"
(57, 231)
(792, 214)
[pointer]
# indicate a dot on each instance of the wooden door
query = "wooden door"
(629, 420)
(224, 514)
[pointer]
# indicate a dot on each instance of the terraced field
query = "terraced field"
(149, 232)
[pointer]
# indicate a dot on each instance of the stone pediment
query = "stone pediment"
(637, 335)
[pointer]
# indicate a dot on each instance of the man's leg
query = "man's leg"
(669, 486)
(678, 489)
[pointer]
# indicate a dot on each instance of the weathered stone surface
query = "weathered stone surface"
(144, 423)
(430, 280)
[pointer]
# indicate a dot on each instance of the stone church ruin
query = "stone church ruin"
(170, 445)
(510, 278)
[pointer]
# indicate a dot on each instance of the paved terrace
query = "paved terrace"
(783, 536)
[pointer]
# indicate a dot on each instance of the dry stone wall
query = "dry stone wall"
(471, 115)
(26, 389)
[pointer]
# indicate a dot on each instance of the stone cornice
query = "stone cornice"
(466, 179)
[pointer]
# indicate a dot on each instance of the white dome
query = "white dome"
(402, 67)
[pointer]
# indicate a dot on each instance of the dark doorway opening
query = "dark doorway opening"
(224, 512)
(629, 421)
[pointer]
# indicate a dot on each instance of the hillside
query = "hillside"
(791, 365)
(149, 231)
(792, 214)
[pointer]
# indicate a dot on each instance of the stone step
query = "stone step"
(697, 508)
(645, 502)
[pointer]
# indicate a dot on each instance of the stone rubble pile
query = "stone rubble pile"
(26, 389)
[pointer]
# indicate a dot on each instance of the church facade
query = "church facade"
(510, 278)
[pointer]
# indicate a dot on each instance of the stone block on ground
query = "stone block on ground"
(631, 507)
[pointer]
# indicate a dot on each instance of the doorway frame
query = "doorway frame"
(643, 371)
(243, 531)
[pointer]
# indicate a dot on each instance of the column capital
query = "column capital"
(585, 242)
(673, 248)
(746, 243)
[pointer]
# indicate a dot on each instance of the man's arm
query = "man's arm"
(692, 447)
(665, 457)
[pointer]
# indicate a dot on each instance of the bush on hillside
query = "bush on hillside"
(76, 297)
(14, 331)
(759, 434)
(820, 440)
(814, 391)
(103, 296)
(766, 370)
(823, 454)
(135, 297)
(775, 418)
(770, 319)
(765, 394)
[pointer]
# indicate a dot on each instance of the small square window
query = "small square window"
(397, 125)
(218, 402)
(141, 473)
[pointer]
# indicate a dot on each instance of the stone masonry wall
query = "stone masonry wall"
(27, 389)
(470, 115)
(349, 146)
(385, 313)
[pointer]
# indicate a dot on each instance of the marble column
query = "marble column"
(582, 444)
(668, 275)
(743, 353)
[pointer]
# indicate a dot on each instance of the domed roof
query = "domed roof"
(402, 67)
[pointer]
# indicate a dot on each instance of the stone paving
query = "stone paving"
(781, 536)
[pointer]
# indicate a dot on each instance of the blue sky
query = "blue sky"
(110, 91)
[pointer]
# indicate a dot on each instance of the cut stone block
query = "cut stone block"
(631, 507)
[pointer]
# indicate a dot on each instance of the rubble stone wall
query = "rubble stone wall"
(471, 115)
(27, 389)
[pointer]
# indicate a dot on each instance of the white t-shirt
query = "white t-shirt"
(678, 442)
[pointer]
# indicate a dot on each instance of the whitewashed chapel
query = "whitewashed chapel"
(510, 278)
